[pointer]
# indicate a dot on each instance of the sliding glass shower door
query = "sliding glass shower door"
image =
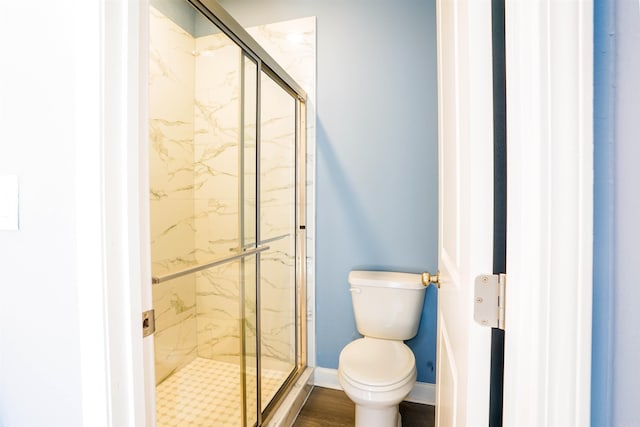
(277, 229)
(227, 252)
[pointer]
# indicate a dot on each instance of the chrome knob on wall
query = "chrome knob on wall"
(428, 278)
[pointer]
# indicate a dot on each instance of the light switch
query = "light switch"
(9, 196)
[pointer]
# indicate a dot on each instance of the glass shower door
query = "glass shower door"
(203, 220)
(249, 165)
(278, 230)
(223, 176)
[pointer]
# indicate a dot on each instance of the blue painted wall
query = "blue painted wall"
(616, 317)
(603, 75)
(376, 152)
(626, 290)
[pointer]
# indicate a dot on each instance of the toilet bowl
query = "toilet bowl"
(378, 371)
(377, 375)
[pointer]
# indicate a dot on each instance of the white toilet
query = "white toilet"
(378, 371)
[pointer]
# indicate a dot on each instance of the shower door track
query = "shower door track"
(190, 270)
(221, 18)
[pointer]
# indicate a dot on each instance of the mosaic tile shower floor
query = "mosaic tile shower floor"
(207, 393)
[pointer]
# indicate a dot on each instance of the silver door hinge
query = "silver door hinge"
(488, 307)
(148, 323)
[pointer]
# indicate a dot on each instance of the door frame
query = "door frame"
(549, 57)
(111, 211)
(549, 66)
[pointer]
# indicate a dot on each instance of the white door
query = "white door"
(465, 244)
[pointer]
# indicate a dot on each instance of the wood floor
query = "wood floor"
(332, 408)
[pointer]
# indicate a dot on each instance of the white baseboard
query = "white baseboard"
(326, 377)
(424, 393)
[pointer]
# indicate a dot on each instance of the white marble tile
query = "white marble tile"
(293, 45)
(217, 75)
(171, 168)
(219, 310)
(277, 303)
(278, 336)
(172, 235)
(174, 301)
(171, 144)
(171, 123)
(174, 348)
(216, 171)
(217, 229)
(218, 337)
(171, 68)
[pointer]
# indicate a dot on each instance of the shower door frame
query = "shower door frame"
(267, 66)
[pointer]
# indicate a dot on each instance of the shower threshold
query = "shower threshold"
(207, 393)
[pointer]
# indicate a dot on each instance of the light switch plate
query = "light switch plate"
(9, 205)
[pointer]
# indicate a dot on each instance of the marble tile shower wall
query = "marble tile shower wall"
(171, 183)
(217, 144)
(194, 195)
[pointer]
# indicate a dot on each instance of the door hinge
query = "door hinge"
(148, 323)
(488, 309)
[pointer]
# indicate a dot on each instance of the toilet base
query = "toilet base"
(386, 416)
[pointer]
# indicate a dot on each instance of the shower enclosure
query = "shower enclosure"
(227, 150)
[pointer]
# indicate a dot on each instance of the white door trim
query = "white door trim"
(125, 64)
(90, 270)
(549, 50)
(111, 137)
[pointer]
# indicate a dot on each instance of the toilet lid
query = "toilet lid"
(377, 363)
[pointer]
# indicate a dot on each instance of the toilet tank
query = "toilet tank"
(387, 305)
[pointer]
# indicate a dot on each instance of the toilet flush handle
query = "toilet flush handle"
(355, 290)
(428, 278)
